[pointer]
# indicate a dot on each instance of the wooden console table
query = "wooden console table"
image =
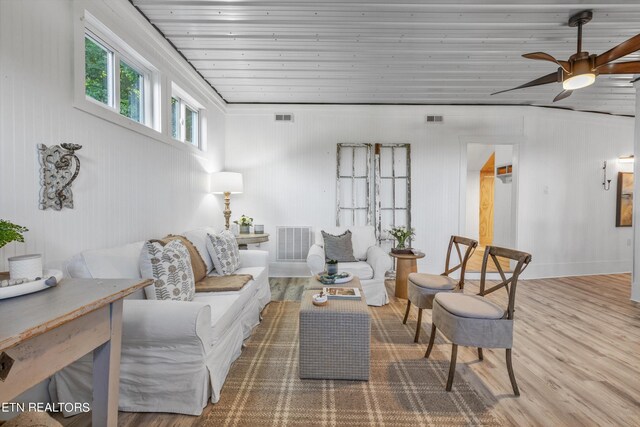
(43, 332)
(247, 239)
(405, 264)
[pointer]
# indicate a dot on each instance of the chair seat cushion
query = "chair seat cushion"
(470, 306)
(433, 281)
(358, 268)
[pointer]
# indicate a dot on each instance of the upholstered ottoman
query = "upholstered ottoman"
(334, 339)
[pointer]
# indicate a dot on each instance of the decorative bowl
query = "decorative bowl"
(319, 299)
(334, 279)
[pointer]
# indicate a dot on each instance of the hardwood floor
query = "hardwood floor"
(576, 357)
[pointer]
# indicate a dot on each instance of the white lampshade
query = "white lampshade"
(223, 182)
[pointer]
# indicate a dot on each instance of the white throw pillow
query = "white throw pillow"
(224, 252)
(170, 268)
(120, 262)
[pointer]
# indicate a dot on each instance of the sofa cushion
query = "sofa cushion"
(197, 263)
(362, 238)
(199, 239)
(170, 268)
(223, 249)
(469, 306)
(120, 262)
(226, 307)
(433, 281)
(258, 273)
(338, 247)
(232, 282)
(358, 268)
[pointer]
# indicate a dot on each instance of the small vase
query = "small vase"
(332, 268)
(245, 229)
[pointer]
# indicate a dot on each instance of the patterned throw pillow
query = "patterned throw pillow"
(224, 252)
(339, 247)
(170, 268)
(197, 263)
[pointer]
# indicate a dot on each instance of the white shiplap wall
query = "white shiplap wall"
(131, 187)
(290, 174)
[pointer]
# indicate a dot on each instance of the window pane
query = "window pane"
(96, 71)
(175, 118)
(191, 126)
(131, 84)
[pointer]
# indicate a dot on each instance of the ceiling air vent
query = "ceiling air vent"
(434, 119)
(281, 117)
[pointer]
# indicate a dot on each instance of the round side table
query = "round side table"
(246, 239)
(405, 264)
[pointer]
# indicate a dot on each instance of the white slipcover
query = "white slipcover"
(175, 354)
(371, 269)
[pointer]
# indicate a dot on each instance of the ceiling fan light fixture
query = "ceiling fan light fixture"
(579, 81)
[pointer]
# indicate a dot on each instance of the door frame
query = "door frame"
(513, 140)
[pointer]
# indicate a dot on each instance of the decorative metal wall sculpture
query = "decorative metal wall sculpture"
(59, 167)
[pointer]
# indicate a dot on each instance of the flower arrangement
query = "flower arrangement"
(244, 221)
(401, 234)
(10, 232)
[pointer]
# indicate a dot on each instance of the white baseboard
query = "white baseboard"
(289, 269)
(543, 271)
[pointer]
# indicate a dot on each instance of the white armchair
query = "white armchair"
(373, 262)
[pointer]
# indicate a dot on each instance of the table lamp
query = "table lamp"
(226, 183)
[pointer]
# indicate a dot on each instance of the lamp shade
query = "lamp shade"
(226, 182)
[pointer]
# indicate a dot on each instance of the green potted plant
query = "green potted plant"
(245, 224)
(332, 266)
(401, 234)
(28, 267)
(10, 232)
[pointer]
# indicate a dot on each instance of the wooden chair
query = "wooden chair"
(423, 287)
(473, 320)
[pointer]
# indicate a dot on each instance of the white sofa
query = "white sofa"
(175, 354)
(373, 262)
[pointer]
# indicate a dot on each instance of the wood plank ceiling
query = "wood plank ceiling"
(405, 52)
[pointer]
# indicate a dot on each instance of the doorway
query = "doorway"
(490, 210)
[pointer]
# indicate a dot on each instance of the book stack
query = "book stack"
(342, 293)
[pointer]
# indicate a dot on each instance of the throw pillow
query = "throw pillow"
(170, 268)
(339, 247)
(224, 252)
(197, 263)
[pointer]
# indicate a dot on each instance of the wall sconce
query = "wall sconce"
(626, 159)
(59, 167)
(606, 183)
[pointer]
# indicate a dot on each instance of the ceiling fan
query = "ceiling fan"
(582, 69)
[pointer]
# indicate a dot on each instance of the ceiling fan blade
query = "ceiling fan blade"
(549, 78)
(546, 57)
(562, 95)
(631, 67)
(619, 51)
